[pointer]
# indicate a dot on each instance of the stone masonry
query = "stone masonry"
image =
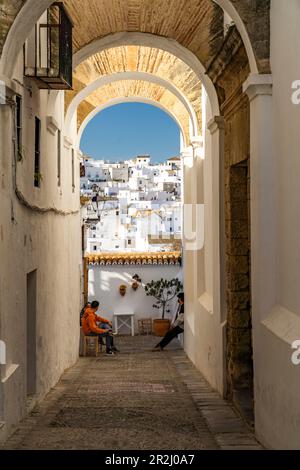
(229, 70)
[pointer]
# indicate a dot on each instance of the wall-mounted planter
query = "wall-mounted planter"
(135, 286)
(122, 290)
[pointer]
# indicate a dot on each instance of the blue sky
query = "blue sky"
(129, 129)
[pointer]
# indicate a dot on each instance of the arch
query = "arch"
(135, 88)
(132, 99)
(31, 11)
(147, 77)
(230, 9)
(154, 41)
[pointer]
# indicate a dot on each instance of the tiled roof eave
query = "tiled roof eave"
(139, 259)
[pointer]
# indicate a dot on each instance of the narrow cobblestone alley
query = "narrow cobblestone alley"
(136, 400)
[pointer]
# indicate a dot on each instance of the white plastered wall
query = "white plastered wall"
(104, 283)
(276, 297)
(30, 240)
(204, 284)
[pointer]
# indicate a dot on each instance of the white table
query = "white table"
(124, 319)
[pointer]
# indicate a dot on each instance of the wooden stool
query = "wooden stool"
(87, 342)
(145, 326)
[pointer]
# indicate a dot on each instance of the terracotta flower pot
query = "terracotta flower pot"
(160, 327)
(135, 286)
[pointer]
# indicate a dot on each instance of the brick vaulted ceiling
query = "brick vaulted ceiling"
(139, 59)
(135, 89)
(195, 24)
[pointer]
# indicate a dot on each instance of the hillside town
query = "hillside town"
(131, 206)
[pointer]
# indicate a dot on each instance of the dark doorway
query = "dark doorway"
(239, 319)
(31, 332)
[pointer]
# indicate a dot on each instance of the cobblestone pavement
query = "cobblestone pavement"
(136, 400)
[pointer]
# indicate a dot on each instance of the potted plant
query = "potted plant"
(164, 292)
(135, 285)
(136, 281)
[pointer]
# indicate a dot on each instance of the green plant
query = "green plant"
(21, 154)
(163, 291)
(38, 177)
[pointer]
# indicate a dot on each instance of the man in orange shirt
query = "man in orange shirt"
(90, 327)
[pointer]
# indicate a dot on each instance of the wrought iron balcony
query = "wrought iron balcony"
(48, 50)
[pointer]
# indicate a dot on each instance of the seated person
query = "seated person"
(176, 328)
(90, 328)
(87, 305)
(106, 326)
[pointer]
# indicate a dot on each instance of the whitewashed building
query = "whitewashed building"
(148, 204)
(228, 73)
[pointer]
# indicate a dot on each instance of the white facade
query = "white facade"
(119, 172)
(40, 248)
(104, 283)
(147, 205)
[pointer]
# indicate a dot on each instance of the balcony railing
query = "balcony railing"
(48, 50)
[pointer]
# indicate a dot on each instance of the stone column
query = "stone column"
(263, 196)
(189, 228)
(198, 208)
(188, 199)
(216, 127)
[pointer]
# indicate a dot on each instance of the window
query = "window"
(59, 157)
(19, 127)
(37, 153)
(73, 171)
(48, 53)
(117, 212)
(129, 242)
(117, 246)
(95, 247)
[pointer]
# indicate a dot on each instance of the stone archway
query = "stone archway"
(226, 66)
(23, 14)
(139, 76)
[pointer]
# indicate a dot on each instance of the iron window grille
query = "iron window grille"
(48, 50)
